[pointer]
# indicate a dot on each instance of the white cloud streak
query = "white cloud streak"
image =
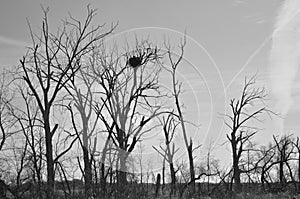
(13, 42)
(285, 56)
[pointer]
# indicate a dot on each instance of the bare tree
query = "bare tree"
(6, 121)
(107, 149)
(243, 110)
(176, 91)
(18, 153)
(28, 122)
(79, 91)
(50, 64)
(169, 128)
(211, 164)
(284, 154)
(297, 145)
(128, 97)
(275, 157)
(264, 160)
(5, 104)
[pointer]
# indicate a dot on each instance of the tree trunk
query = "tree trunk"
(103, 176)
(88, 176)
(49, 158)
(173, 179)
(103, 180)
(235, 164)
(262, 179)
(281, 177)
(163, 177)
(192, 170)
(157, 186)
(87, 172)
(208, 169)
(236, 175)
(298, 171)
(122, 174)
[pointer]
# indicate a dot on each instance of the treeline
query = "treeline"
(75, 107)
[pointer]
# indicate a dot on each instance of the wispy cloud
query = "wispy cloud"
(13, 42)
(239, 2)
(258, 19)
(284, 58)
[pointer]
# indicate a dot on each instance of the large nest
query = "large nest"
(142, 56)
(135, 61)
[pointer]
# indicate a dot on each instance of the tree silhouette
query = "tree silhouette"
(128, 99)
(51, 62)
(241, 114)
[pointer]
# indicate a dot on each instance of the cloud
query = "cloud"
(239, 2)
(285, 56)
(13, 42)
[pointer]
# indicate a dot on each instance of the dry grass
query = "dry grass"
(246, 196)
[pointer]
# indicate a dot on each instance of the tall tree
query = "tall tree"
(80, 102)
(51, 62)
(175, 61)
(249, 106)
(128, 98)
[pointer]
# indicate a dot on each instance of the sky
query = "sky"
(226, 41)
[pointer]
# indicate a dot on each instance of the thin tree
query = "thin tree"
(169, 125)
(297, 145)
(6, 121)
(176, 91)
(6, 98)
(243, 110)
(28, 122)
(285, 150)
(81, 100)
(51, 62)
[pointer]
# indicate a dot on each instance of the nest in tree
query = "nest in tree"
(135, 61)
